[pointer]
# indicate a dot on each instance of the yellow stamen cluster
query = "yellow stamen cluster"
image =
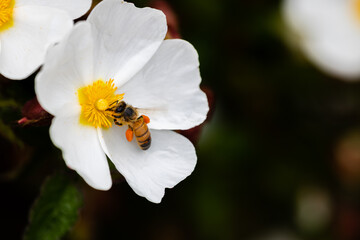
(6, 13)
(95, 100)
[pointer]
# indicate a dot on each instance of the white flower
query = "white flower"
(29, 27)
(119, 52)
(328, 32)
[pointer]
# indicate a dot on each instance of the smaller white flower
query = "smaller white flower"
(328, 32)
(29, 27)
(120, 54)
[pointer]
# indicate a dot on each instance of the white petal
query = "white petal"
(24, 45)
(126, 37)
(76, 8)
(313, 16)
(170, 159)
(339, 58)
(81, 148)
(168, 88)
(68, 67)
(329, 32)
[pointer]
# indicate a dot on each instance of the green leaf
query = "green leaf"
(55, 211)
(9, 103)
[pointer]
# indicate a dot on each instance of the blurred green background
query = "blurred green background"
(278, 160)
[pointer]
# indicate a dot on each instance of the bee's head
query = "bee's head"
(120, 107)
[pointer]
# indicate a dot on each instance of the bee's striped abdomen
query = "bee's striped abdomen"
(142, 134)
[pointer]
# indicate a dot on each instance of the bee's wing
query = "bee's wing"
(149, 111)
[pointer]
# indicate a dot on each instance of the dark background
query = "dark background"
(278, 160)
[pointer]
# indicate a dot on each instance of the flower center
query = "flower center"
(95, 99)
(102, 104)
(6, 14)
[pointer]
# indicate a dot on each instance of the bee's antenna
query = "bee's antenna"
(112, 108)
(116, 101)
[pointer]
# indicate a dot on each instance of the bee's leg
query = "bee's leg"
(129, 134)
(146, 119)
(116, 116)
(117, 123)
(110, 109)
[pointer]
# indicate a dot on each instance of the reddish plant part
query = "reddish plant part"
(34, 115)
(171, 17)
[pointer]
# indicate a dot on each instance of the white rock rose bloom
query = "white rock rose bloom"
(120, 53)
(29, 27)
(328, 32)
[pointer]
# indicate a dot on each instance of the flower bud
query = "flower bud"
(34, 114)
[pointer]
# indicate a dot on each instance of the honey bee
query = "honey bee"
(125, 114)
